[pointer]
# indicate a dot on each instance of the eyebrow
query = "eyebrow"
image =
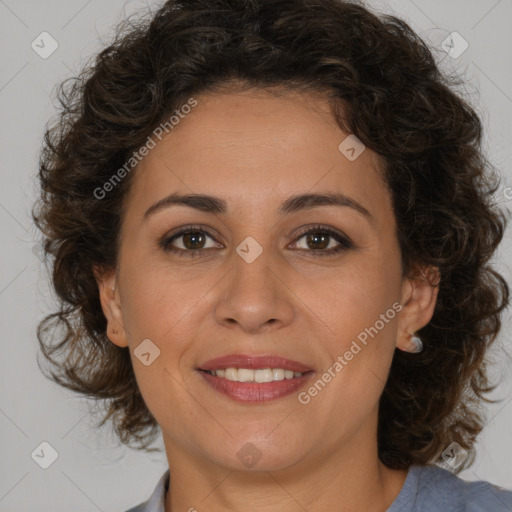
(216, 205)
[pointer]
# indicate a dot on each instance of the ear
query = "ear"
(111, 306)
(419, 296)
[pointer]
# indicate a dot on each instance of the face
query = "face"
(260, 275)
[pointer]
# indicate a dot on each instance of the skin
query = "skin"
(255, 149)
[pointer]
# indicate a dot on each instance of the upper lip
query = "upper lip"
(254, 362)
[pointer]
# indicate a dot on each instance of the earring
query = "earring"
(416, 344)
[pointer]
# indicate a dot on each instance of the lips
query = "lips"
(254, 363)
(255, 392)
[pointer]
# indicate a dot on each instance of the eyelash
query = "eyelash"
(344, 241)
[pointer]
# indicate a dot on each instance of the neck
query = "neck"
(346, 479)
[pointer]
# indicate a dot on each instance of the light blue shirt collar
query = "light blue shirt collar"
(426, 489)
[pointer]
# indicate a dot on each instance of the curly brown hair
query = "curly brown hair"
(387, 89)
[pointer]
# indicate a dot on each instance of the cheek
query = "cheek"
(356, 313)
(156, 301)
(162, 390)
(352, 297)
(161, 306)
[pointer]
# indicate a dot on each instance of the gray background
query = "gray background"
(92, 472)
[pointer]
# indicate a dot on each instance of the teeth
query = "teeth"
(277, 374)
(245, 375)
(249, 375)
(229, 373)
(264, 375)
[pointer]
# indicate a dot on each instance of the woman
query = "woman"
(271, 223)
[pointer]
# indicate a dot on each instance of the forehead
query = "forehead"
(255, 148)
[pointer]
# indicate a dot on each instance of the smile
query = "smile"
(250, 375)
(256, 377)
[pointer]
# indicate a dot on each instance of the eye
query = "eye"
(192, 241)
(319, 241)
(189, 241)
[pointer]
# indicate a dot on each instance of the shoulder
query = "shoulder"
(156, 502)
(138, 508)
(435, 488)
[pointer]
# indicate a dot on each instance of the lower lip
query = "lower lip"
(256, 392)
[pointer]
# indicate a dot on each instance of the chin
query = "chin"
(259, 453)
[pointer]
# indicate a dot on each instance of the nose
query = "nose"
(255, 297)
